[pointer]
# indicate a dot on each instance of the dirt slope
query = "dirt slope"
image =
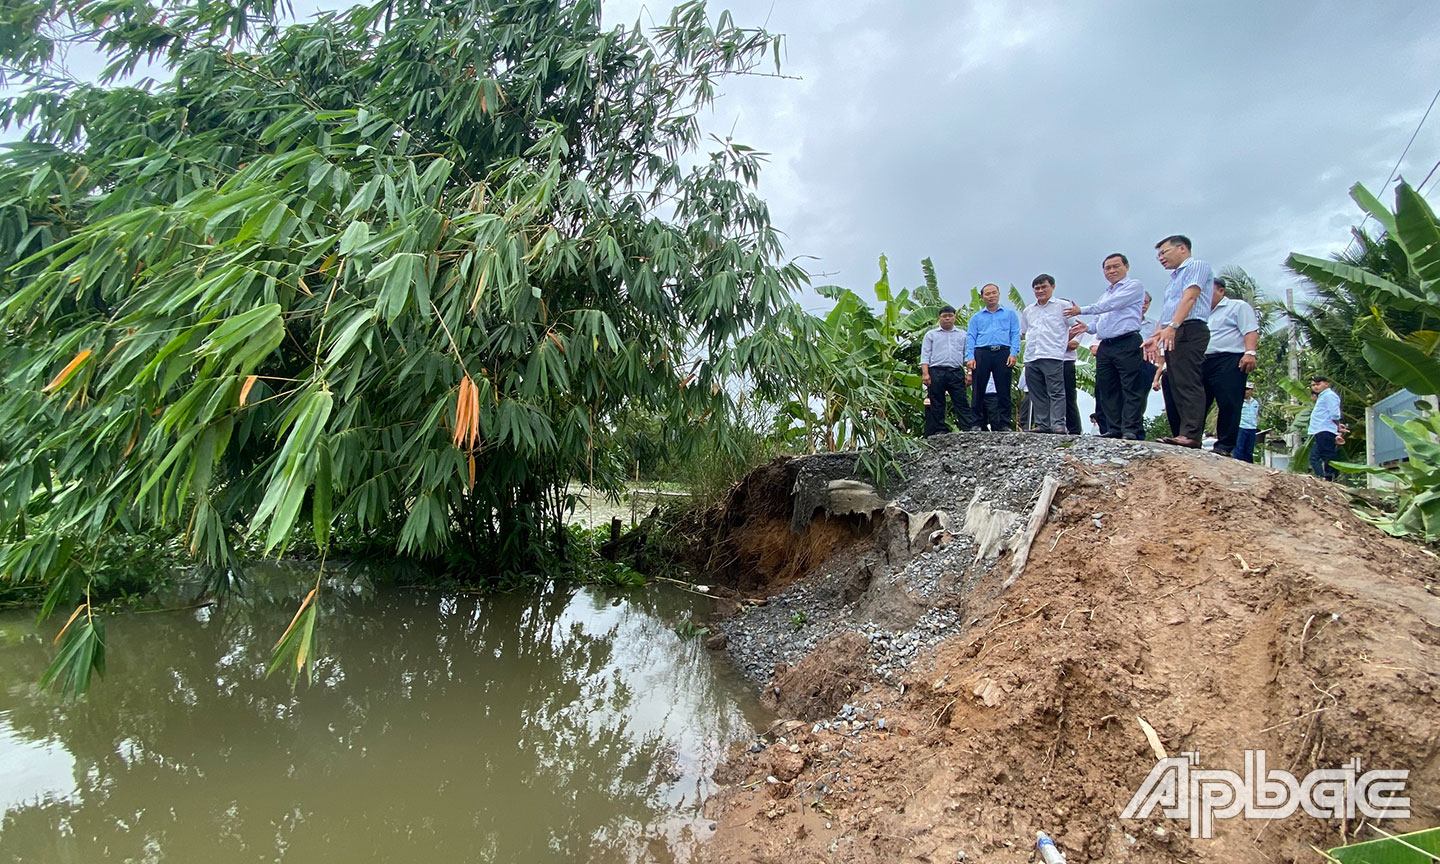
(1230, 606)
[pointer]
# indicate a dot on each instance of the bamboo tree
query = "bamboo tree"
(381, 274)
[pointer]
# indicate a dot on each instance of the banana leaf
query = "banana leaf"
(1420, 847)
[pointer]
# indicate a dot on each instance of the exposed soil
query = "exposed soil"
(933, 711)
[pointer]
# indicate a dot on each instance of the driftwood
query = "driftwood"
(1037, 518)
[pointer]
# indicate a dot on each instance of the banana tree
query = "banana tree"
(1405, 356)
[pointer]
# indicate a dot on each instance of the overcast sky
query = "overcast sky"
(1006, 140)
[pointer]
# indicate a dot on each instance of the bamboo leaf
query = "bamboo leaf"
(295, 648)
(321, 505)
(355, 236)
(81, 655)
(68, 372)
(245, 388)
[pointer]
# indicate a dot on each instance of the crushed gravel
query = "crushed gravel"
(904, 611)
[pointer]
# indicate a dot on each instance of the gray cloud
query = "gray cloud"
(1003, 140)
(1006, 140)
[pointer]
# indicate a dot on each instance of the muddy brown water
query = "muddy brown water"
(573, 725)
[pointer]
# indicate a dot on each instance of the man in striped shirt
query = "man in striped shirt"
(1182, 338)
(942, 369)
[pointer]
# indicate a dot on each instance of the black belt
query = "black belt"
(993, 348)
(1122, 336)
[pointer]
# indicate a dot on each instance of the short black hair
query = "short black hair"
(1319, 379)
(1041, 279)
(1221, 283)
(1175, 240)
(1120, 255)
(947, 308)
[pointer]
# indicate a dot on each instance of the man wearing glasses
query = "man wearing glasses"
(1182, 338)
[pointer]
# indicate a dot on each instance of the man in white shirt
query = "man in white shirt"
(1229, 359)
(1046, 332)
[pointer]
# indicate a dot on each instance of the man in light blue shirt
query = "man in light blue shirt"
(1183, 337)
(1249, 426)
(942, 369)
(1121, 382)
(991, 348)
(1325, 428)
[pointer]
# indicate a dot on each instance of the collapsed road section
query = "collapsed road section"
(1013, 636)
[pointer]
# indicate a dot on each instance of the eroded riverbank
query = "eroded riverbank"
(943, 699)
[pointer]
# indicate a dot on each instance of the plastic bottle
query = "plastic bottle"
(1048, 853)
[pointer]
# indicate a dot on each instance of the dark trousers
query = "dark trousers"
(1072, 402)
(1045, 385)
(1322, 453)
(1184, 381)
(1102, 426)
(991, 363)
(1122, 387)
(1245, 445)
(1225, 387)
(947, 381)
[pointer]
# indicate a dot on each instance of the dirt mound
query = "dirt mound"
(1231, 607)
(821, 682)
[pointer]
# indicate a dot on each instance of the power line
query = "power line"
(1396, 169)
(1421, 187)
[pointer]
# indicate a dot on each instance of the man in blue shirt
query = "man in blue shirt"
(991, 349)
(942, 368)
(1121, 382)
(1183, 337)
(1249, 426)
(1325, 428)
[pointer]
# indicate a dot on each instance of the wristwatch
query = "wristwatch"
(1251, 353)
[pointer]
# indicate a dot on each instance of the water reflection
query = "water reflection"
(570, 727)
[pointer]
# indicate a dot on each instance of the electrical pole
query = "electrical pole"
(1292, 438)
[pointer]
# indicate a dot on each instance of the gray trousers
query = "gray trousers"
(1046, 381)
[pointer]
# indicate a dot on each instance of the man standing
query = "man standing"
(1325, 428)
(991, 349)
(1121, 384)
(1229, 359)
(1072, 399)
(942, 369)
(1182, 337)
(1046, 331)
(1249, 426)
